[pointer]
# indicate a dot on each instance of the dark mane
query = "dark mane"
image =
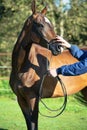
(24, 36)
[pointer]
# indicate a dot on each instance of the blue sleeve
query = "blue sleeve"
(73, 69)
(77, 52)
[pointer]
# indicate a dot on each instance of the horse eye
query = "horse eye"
(41, 25)
(38, 24)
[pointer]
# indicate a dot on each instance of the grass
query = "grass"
(5, 89)
(73, 118)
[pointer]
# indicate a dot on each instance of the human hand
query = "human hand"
(53, 72)
(63, 42)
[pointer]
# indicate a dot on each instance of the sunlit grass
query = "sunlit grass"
(73, 118)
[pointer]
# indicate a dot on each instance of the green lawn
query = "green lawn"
(73, 118)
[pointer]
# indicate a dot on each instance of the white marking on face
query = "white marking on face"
(47, 20)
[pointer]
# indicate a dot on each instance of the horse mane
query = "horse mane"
(24, 40)
(24, 36)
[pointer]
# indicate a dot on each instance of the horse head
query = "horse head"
(43, 30)
(38, 29)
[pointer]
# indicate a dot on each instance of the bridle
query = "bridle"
(62, 108)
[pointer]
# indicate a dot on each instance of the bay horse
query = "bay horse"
(30, 59)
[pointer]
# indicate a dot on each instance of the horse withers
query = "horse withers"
(30, 60)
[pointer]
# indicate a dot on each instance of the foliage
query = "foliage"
(69, 20)
(13, 13)
(5, 89)
(5, 64)
(76, 25)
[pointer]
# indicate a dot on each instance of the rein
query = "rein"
(62, 108)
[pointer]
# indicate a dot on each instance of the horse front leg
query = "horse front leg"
(29, 108)
(34, 113)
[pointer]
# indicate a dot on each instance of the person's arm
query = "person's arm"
(74, 50)
(77, 68)
(77, 52)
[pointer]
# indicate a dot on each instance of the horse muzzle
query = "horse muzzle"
(55, 48)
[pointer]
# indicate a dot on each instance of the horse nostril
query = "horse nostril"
(58, 48)
(55, 48)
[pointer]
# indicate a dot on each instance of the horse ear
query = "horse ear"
(44, 11)
(33, 6)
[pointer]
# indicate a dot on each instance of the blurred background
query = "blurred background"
(69, 18)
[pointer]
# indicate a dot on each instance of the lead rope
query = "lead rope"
(62, 108)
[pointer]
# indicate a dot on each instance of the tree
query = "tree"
(14, 13)
(69, 21)
(75, 23)
(2, 9)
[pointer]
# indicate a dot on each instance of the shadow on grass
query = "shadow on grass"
(3, 129)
